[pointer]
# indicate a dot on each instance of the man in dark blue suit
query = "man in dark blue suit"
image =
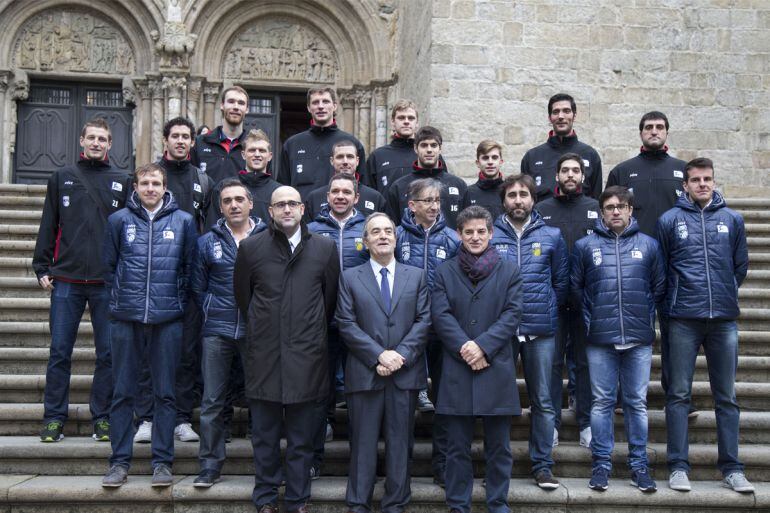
(476, 308)
(383, 316)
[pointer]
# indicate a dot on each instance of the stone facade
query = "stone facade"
(478, 68)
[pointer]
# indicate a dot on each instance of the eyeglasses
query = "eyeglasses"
(428, 201)
(283, 204)
(620, 207)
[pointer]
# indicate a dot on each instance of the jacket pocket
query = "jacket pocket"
(674, 295)
(206, 305)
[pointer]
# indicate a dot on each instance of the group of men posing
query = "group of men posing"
(201, 270)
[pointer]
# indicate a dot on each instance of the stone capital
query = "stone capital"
(174, 85)
(364, 98)
(210, 93)
(346, 97)
(20, 86)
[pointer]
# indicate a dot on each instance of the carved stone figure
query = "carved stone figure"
(175, 46)
(72, 41)
(282, 49)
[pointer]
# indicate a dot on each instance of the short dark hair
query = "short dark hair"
(652, 115)
(416, 187)
(343, 143)
(571, 156)
(321, 90)
(561, 97)
(620, 192)
(698, 162)
(233, 182)
(471, 213)
(150, 168)
(522, 179)
(343, 176)
(428, 132)
(97, 123)
(178, 121)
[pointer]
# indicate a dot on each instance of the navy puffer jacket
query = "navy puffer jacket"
(542, 257)
(707, 259)
(425, 250)
(148, 263)
(212, 281)
(619, 280)
(351, 248)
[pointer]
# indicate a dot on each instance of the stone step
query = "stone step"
(756, 216)
(759, 261)
(27, 309)
(38, 334)
(18, 231)
(15, 201)
(20, 216)
(16, 266)
(83, 456)
(752, 297)
(30, 493)
(34, 360)
(757, 228)
(21, 286)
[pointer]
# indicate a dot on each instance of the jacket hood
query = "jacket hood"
(717, 201)
(325, 217)
(601, 229)
(409, 223)
(135, 205)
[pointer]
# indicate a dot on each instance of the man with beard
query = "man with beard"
(388, 163)
(255, 177)
(541, 255)
(218, 152)
(305, 163)
(540, 161)
(484, 193)
(340, 221)
(427, 145)
(345, 161)
(286, 286)
(575, 214)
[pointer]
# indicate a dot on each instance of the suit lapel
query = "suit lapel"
(399, 283)
(366, 275)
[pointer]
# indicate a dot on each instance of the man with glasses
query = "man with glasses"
(285, 283)
(618, 274)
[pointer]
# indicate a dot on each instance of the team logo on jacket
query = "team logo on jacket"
(592, 214)
(678, 174)
(637, 254)
(359, 244)
(168, 234)
(502, 249)
(217, 250)
(681, 229)
(406, 251)
(537, 250)
(369, 205)
(538, 181)
(130, 233)
(679, 193)
(589, 231)
(722, 228)
(197, 187)
(65, 200)
(441, 253)
(117, 186)
(384, 180)
(597, 256)
(203, 164)
(454, 191)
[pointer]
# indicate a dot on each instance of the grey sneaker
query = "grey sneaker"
(116, 477)
(738, 482)
(679, 481)
(423, 403)
(161, 476)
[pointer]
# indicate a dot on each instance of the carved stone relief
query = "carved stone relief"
(65, 40)
(282, 49)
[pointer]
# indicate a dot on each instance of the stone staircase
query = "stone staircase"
(66, 476)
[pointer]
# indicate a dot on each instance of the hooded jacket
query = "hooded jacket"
(541, 256)
(349, 239)
(305, 161)
(69, 241)
(540, 163)
(707, 258)
(619, 280)
(655, 178)
(148, 263)
(426, 250)
(211, 283)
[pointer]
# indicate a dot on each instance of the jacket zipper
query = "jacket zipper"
(425, 250)
(339, 245)
(149, 272)
(620, 289)
(708, 267)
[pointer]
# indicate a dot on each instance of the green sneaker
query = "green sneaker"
(102, 431)
(52, 431)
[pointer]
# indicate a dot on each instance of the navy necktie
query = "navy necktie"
(385, 289)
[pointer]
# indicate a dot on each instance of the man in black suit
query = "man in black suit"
(383, 315)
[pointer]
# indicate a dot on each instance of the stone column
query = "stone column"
(345, 115)
(193, 100)
(18, 93)
(210, 97)
(143, 123)
(173, 86)
(364, 105)
(5, 150)
(381, 116)
(158, 118)
(130, 100)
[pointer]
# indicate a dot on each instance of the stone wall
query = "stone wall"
(414, 54)
(706, 64)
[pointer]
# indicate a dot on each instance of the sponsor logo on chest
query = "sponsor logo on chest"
(130, 233)
(722, 228)
(592, 214)
(681, 230)
(359, 244)
(596, 256)
(406, 251)
(537, 249)
(117, 186)
(65, 201)
(217, 250)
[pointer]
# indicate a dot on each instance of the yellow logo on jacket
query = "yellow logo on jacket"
(359, 244)
(536, 249)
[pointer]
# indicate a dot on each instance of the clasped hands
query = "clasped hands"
(389, 362)
(474, 356)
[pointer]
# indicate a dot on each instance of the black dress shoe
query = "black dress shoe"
(207, 478)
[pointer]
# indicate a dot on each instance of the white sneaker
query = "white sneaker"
(144, 433)
(555, 437)
(184, 433)
(585, 437)
(738, 482)
(679, 481)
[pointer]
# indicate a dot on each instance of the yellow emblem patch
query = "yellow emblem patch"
(536, 250)
(359, 244)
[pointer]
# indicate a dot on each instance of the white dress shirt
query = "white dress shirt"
(391, 267)
(295, 239)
